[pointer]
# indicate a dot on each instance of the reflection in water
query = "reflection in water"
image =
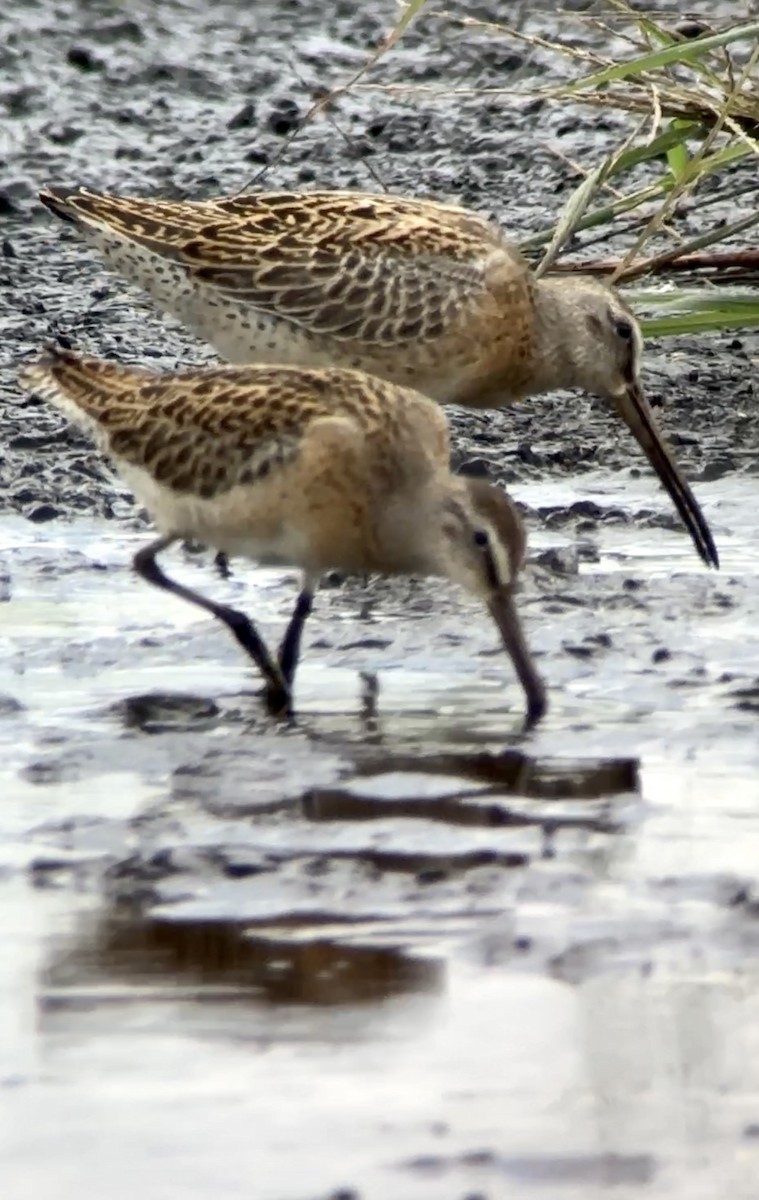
(672, 1048)
(370, 690)
(604, 1170)
(638, 1078)
(609, 1039)
(480, 790)
(162, 712)
(517, 772)
(218, 959)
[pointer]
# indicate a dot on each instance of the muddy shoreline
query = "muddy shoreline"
(108, 101)
(397, 948)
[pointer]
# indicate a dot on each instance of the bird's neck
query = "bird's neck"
(556, 354)
(406, 535)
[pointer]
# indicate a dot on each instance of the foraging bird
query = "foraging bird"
(425, 295)
(318, 469)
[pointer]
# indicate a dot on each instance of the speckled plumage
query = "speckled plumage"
(409, 290)
(312, 468)
(425, 295)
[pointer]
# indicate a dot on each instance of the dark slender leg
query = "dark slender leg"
(221, 562)
(289, 650)
(369, 694)
(277, 690)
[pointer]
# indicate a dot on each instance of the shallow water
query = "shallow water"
(398, 947)
(399, 950)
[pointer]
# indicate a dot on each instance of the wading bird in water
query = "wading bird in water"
(426, 295)
(313, 468)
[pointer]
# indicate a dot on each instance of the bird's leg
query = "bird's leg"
(221, 562)
(277, 689)
(369, 693)
(289, 649)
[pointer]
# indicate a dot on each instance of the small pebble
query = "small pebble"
(43, 512)
(475, 468)
(82, 58)
(285, 118)
(244, 118)
(690, 28)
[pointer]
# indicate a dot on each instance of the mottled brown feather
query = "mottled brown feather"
(209, 430)
(421, 294)
(375, 275)
(311, 468)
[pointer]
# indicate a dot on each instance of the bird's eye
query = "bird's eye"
(624, 329)
(480, 538)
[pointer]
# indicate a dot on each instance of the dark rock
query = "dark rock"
(83, 59)
(43, 512)
(476, 468)
(244, 117)
(284, 119)
(160, 712)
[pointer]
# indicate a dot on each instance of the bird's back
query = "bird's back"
(426, 295)
(201, 426)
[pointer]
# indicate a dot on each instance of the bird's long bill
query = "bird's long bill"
(504, 613)
(637, 415)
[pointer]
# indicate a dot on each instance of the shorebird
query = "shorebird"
(312, 468)
(426, 295)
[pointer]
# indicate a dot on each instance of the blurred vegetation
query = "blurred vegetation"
(694, 96)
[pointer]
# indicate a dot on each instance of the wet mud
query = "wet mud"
(395, 947)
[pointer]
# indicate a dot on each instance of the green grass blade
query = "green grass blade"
(677, 160)
(716, 235)
(602, 216)
(677, 154)
(661, 145)
(572, 213)
(681, 53)
(715, 321)
(412, 9)
(679, 312)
